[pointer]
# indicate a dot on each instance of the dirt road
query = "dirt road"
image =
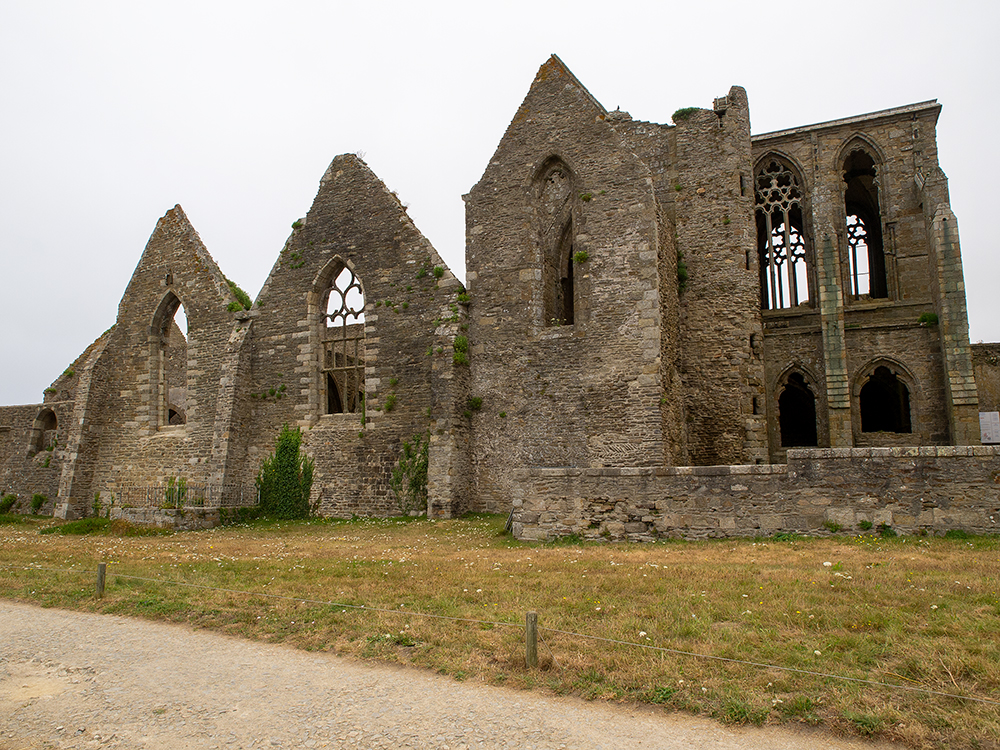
(73, 680)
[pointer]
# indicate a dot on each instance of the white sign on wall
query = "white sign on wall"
(989, 427)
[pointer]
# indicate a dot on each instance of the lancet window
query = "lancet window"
(555, 195)
(864, 227)
(169, 362)
(344, 345)
(781, 244)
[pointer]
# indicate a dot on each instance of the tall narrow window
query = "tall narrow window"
(885, 403)
(797, 413)
(555, 206)
(864, 227)
(344, 344)
(784, 274)
(169, 361)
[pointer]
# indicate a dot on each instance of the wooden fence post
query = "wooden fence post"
(101, 570)
(531, 640)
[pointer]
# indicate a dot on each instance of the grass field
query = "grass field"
(917, 612)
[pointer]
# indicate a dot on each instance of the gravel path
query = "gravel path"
(74, 680)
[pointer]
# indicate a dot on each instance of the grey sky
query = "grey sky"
(112, 112)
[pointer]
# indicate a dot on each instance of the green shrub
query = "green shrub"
(90, 525)
(581, 256)
(285, 478)
(475, 403)
(886, 531)
(928, 319)
(409, 476)
(7, 502)
(865, 525)
(683, 113)
(37, 501)
(682, 272)
(438, 272)
(242, 297)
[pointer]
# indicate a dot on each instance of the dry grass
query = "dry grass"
(918, 612)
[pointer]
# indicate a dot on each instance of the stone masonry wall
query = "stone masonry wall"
(720, 325)
(126, 438)
(858, 334)
(585, 394)
(412, 314)
(986, 360)
(911, 490)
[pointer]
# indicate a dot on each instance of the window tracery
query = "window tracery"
(343, 362)
(781, 241)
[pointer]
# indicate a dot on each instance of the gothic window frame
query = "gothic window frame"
(781, 212)
(160, 406)
(557, 210)
(905, 378)
(858, 201)
(340, 340)
(807, 382)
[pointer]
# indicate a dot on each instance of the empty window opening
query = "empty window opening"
(864, 227)
(43, 432)
(885, 403)
(170, 349)
(555, 207)
(784, 274)
(797, 413)
(344, 344)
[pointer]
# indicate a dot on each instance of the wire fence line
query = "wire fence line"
(520, 626)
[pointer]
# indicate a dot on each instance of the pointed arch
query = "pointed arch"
(797, 418)
(885, 391)
(168, 382)
(339, 323)
(555, 192)
(860, 162)
(786, 261)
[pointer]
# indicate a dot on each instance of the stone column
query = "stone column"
(831, 307)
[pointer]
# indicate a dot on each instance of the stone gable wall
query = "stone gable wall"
(585, 394)
(412, 316)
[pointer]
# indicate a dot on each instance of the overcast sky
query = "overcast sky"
(112, 112)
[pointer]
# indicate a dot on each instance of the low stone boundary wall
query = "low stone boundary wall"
(180, 519)
(819, 491)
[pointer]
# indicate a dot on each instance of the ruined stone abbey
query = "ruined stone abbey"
(667, 329)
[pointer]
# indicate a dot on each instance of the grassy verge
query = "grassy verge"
(916, 612)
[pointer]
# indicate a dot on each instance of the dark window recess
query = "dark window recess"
(885, 403)
(797, 414)
(555, 201)
(864, 227)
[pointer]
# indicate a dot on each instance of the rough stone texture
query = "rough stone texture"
(986, 362)
(923, 274)
(913, 490)
(617, 318)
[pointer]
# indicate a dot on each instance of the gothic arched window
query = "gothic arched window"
(885, 403)
(797, 413)
(168, 344)
(343, 360)
(556, 197)
(784, 266)
(864, 227)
